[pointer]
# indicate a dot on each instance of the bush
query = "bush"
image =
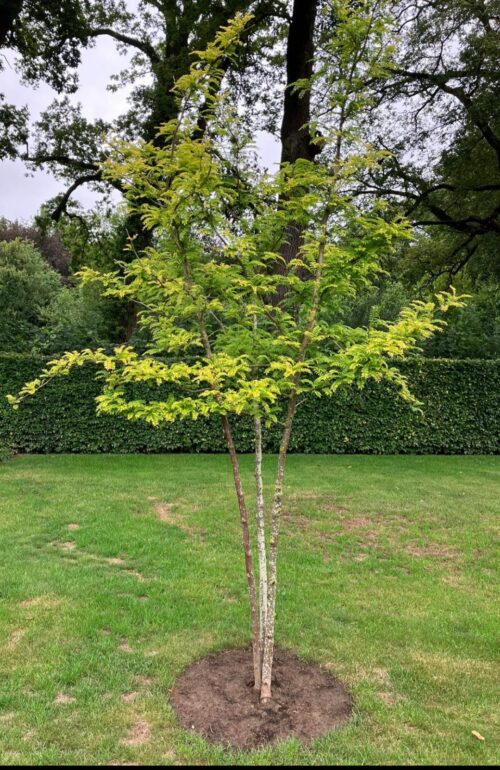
(461, 408)
(27, 286)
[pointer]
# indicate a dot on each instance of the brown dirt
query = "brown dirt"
(215, 698)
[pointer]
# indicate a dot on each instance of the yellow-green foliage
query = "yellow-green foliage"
(460, 415)
(239, 335)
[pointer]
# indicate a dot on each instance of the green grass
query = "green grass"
(387, 578)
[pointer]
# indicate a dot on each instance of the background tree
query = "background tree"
(160, 37)
(436, 111)
(219, 330)
(50, 38)
(39, 312)
(49, 244)
(27, 286)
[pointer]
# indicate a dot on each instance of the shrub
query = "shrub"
(461, 409)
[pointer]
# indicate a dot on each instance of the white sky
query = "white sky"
(20, 195)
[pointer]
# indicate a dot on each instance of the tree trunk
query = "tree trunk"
(295, 136)
(267, 665)
(261, 546)
(295, 133)
(252, 597)
(267, 661)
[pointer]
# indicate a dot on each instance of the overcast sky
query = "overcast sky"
(21, 195)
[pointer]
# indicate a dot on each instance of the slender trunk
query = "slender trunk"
(267, 661)
(261, 546)
(267, 664)
(245, 530)
(252, 597)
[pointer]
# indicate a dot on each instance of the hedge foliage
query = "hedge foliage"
(461, 409)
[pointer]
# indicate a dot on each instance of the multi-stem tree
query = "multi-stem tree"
(230, 334)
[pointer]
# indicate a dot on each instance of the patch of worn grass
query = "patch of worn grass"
(116, 572)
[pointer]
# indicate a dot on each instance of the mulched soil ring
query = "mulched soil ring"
(215, 698)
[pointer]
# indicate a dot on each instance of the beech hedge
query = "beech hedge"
(460, 415)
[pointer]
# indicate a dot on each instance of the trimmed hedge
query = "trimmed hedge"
(461, 409)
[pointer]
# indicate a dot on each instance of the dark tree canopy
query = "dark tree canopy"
(434, 102)
(49, 38)
(438, 113)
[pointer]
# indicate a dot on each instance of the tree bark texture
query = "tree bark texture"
(296, 141)
(261, 547)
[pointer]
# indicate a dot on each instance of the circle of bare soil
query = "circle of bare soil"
(215, 698)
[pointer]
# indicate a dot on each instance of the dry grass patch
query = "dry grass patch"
(139, 733)
(388, 698)
(168, 514)
(62, 699)
(129, 697)
(355, 523)
(40, 602)
(433, 550)
(138, 576)
(14, 639)
(143, 681)
(69, 545)
(445, 667)
(111, 561)
(124, 646)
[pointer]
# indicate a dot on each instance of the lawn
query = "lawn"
(116, 572)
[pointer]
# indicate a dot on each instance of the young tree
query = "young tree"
(229, 333)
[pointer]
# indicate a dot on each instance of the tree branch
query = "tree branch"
(142, 45)
(440, 79)
(61, 207)
(64, 160)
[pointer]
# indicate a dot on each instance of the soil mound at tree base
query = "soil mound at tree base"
(215, 698)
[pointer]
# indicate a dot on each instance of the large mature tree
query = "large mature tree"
(437, 112)
(49, 38)
(434, 106)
